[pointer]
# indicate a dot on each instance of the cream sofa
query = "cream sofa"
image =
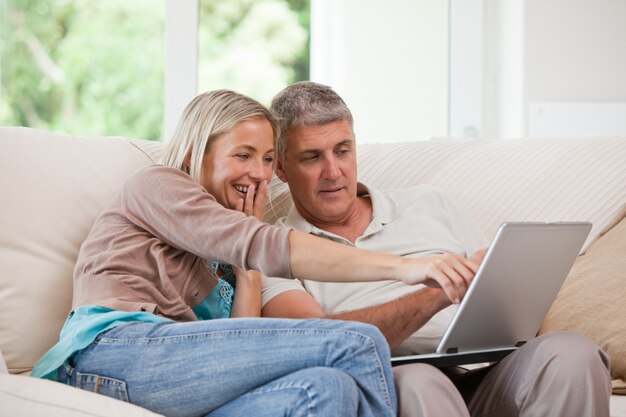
(54, 185)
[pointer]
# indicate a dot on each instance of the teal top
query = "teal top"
(84, 324)
(218, 303)
(81, 327)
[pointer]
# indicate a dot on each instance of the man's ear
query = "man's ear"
(279, 170)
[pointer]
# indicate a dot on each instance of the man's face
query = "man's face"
(320, 168)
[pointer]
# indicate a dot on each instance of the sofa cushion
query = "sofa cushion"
(592, 300)
(33, 397)
(53, 187)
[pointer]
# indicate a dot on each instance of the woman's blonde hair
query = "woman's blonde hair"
(208, 116)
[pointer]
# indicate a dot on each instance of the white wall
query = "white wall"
(389, 62)
(412, 70)
(181, 60)
(556, 51)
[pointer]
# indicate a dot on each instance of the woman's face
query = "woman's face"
(237, 159)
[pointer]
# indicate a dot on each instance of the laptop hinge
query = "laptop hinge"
(452, 350)
(518, 344)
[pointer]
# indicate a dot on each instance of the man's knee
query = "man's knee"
(424, 390)
(418, 374)
(422, 381)
(571, 348)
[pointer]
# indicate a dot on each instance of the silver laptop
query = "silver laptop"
(510, 294)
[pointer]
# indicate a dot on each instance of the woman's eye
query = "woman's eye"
(243, 156)
(268, 159)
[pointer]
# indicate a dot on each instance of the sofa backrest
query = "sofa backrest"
(503, 180)
(53, 186)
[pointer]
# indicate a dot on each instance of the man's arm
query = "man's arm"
(397, 319)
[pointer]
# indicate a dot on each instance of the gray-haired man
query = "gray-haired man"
(554, 375)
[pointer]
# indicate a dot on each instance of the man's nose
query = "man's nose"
(331, 169)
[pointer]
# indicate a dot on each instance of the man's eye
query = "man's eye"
(310, 157)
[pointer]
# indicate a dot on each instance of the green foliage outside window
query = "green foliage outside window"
(256, 47)
(96, 67)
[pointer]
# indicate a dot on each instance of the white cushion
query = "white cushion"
(3, 365)
(24, 396)
(618, 406)
(52, 186)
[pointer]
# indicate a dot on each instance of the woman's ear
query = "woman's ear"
(280, 171)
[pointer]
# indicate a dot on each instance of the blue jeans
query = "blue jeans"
(238, 367)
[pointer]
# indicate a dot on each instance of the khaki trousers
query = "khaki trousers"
(555, 375)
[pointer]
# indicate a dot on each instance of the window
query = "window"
(255, 47)
(83, 66)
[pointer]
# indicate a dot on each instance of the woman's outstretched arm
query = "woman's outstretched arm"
(320, 259)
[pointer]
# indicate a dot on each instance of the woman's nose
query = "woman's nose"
(259, 172)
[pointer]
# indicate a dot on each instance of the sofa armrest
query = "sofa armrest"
(27, 396)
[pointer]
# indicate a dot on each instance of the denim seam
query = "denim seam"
(381, 376)
(293, 386)
(104, 340)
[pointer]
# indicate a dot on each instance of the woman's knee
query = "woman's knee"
(329, 391)
(317, 391)
(367, 331)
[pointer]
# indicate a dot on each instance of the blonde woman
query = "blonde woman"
(176, 252)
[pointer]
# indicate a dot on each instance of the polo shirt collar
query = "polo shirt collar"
(384, 210)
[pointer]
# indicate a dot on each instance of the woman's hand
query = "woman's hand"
(479, 255)
(254, 203)
(450, 272)
(247, 302)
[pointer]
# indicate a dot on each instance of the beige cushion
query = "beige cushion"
(32, 397)
(593, 300)
(52, 186)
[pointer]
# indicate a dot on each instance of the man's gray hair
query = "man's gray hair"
(307, 104)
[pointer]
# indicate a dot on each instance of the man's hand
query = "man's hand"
(450, 272)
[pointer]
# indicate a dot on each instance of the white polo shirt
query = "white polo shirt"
(416, 222)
